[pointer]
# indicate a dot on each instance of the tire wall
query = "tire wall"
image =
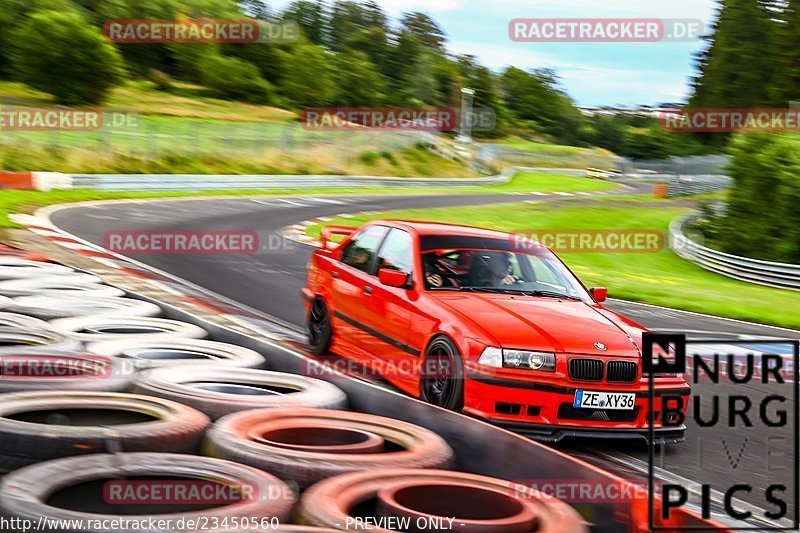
(472, 440)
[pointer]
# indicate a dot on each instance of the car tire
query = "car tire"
(32, 493)
(100, 328)
(333, 501)
(20, 268)
(242, 437)
(24, 371)
(227, 390)
(57, 286)
(19, 320)
(51, 307)
(15, 338)
(319, 328)
(442, 375)
(43, 425)
(159, 353)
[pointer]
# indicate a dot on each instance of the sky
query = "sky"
(591, 73)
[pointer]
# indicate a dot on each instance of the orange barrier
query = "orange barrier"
(16, 180)
(660, 190)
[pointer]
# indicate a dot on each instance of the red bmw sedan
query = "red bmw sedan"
(484, 322)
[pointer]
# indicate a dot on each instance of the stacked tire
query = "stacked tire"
(99, 393)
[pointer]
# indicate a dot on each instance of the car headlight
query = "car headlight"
(523, 359)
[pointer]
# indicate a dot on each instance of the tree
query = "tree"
(737, 66)
(761, 219)
(307, 80)
(403, 56)
(787, 82)
(375, 43)
(610, 132)
(13, 14)
(10, 11)
(534, 96)
(448, 81)
(425, 29)
(357, 81)
(59, 53)
(310, 16)
(422, 87)
(139, 59)
(348, 17)
(234, 79)
(255, 9)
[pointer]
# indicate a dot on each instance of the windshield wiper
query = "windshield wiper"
(496, 290)
(552, 294)
(500, 290)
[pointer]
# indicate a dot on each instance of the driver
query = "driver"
(500, 270)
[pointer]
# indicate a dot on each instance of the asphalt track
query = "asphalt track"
(270, 282)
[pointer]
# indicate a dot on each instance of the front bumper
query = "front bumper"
(544, 410)
(556, 433)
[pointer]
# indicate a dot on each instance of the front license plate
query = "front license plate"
(585, 399)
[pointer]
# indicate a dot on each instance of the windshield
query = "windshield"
(487, 270)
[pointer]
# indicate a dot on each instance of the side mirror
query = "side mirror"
(600, 294)
(393, 278)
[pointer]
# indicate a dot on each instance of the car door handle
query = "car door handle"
(335, 274)
(367, 290)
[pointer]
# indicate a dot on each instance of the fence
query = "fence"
(677, 166)
(781, 275)
(546, 156)
(153, 138)
(681, 175)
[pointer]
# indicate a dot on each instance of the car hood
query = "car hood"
(547, 324)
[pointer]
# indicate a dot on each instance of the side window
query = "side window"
(358, 253)
(396, 252)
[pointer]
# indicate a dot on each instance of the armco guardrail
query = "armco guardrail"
(681, 175)
(781, 275)
(682, 185)
(180, 182)
(695, 165)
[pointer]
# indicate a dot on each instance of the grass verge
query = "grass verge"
(185, 131)
(414, 161)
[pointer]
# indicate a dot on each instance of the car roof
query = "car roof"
(438, 228)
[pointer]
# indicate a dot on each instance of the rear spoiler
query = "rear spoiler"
(330, 231)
